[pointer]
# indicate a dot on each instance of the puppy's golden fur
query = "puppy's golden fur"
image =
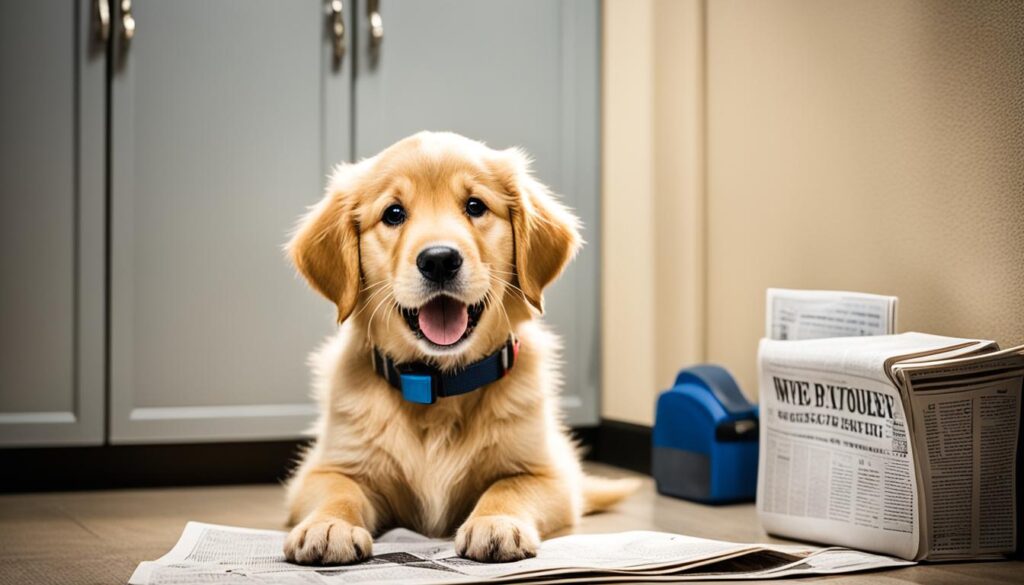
(494, 466)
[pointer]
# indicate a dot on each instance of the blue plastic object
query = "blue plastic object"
(705, 438)
(418, 388)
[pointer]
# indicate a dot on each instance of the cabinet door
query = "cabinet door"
(510, 73)
(51, 224)
(226, 117)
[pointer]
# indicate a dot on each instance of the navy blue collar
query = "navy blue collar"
(424, 384)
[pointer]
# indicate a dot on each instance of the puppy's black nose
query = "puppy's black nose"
(439, 263)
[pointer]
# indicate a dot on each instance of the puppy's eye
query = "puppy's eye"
(475, 207)
(394, 215)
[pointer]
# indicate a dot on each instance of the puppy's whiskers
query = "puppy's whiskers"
(395, 307)
(374, 285)
(369, 300)
(512, 286)
(369, 323)
(489, 300)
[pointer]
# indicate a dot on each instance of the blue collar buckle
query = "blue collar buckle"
(418, 388)
(422, 383)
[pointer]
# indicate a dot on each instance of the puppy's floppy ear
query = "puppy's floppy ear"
(546, 234)
(325, 247)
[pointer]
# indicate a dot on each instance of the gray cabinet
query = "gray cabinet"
(146, 297)
(225, 118)
(510, 73)
(51, 224)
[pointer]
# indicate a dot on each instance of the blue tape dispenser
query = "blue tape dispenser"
(705, 438)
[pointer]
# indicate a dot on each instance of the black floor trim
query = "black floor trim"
(621, 444)
(136, 466)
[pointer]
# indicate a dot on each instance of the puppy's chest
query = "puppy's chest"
(441, 473)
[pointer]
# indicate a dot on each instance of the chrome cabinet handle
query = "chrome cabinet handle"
(127, 22)
(376, 23)
(336, 16)
(102, 20)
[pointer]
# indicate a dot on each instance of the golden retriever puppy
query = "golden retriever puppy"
(439, 393)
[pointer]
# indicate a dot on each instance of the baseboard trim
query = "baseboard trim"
(618, 443)
(140, 466)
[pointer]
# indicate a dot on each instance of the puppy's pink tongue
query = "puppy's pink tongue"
(444, 320)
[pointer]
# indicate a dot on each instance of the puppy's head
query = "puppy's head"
(436, 247)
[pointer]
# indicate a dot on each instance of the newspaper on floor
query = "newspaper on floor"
(208, 553)
(815, 314)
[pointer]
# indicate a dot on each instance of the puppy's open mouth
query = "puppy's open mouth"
(443, 321)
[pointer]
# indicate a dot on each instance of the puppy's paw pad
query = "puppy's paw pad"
(327, 542)
(497, 539)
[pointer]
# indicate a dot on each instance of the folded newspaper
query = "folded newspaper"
(814, 314)
(899, 444)
(207, 553)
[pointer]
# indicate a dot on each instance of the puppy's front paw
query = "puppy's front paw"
(327, 542)
(496, 539)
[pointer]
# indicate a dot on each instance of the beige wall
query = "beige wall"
(653, 246)
(870, 145)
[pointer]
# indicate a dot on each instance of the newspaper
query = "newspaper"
(966, 411)
(208, 553)
(815, 314)
(898, 444)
